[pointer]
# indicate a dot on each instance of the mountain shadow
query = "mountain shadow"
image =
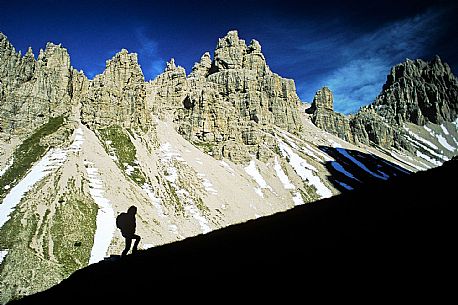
(391, 239)
(353, 169)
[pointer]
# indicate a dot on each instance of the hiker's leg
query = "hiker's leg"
(137, 241)
(127, 248)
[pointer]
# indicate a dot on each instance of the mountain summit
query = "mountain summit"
(228, 143)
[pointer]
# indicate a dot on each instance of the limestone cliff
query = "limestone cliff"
(228, 104)
(32, 91)
(324, 117)
(415, 92)
(117, 96)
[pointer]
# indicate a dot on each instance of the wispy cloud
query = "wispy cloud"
(363, 63)
(148, 55)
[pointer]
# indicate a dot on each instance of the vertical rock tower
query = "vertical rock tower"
(229, 103)
(32, 91)
(117, 96)
(324, 117)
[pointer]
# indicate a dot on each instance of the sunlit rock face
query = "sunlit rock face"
(416, 92)
(33, 90)
(324, 117)
(230, 102)
(419, 91)
(117, 96)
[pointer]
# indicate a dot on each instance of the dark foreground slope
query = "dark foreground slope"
(388, 238)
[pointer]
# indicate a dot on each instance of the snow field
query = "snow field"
(304, 170)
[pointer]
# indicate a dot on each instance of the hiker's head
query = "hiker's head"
(132, 210)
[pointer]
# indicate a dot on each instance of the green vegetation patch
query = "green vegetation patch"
(201, 206)
(116, 141)
(30, 151)
(310, 194)
(175, 200)
(72, 231)
(206, 147)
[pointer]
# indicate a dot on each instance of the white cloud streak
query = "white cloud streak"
(368, 59)
(151, 62)
(362, 63)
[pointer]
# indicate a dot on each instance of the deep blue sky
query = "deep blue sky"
(349, 46)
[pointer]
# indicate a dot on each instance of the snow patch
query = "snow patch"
(3, 254)
(441, 138)
(290, 141)
(282, 176)
(444, 143)
(258, 191)
(167, 156)
(154, 200)
(304, 170)
(344, 185)
(429, 150)
(252, 170)
(129, 169)
(344, 152)
(338, 167)
(456, 124)
(52, 160)
(418, 138)
(78, 141)
(400, 158)
(105, 222)
(160, 212)
(428, 158)
(207, 184)
(324, 156)
(192, 209)
(8, 165)
(297, 199)
(444, 129)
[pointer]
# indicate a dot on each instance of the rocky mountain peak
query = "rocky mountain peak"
(230, 52)
(9, 58)
(32, 90)
(29, 53)
(202, 68)
(55, 57)
(416, 92)
(254, 47)
(5, 45)
(324, 117)
(117, 96)
(229, 102)
(323, 99)
(419, 91)
(123, 68)
(170, 65)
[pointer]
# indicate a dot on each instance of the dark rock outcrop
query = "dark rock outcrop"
(417, 91)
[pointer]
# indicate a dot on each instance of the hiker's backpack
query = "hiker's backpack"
(121, 221)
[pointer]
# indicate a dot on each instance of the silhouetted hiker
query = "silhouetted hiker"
(126, 223)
